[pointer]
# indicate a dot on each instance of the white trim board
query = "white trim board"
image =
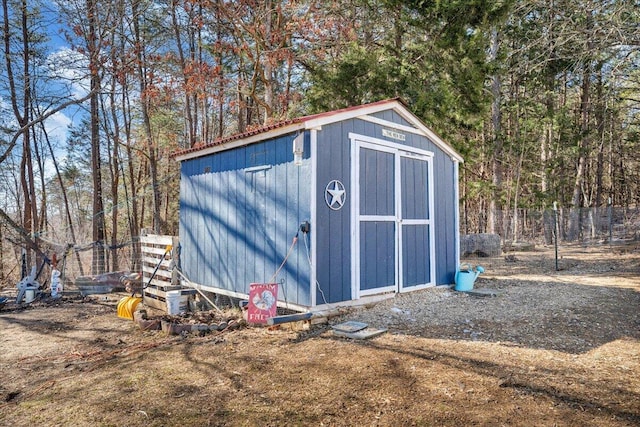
(207, 288)
(314, 215)
(387, 146)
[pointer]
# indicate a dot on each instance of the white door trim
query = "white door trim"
(428, 222)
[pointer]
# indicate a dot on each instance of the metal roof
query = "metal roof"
(314, 121)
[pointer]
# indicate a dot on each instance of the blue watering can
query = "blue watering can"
(466, 276)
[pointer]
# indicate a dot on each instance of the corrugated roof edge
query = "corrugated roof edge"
(291, 125)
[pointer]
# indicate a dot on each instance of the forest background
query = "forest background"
(541, 97)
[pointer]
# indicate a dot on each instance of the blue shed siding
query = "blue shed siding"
(333, 228)
(416, 206)
(391, 116)
(377, 192)
(239, 211)
(445, 218)
(377, 254)
(414, 241)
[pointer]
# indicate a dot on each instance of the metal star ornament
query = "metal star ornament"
(335, 195)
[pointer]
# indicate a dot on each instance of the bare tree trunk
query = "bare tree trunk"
(152, 148)
(600, 124)
(584, 144)
(546, 142)
(242, 107)
(191, 121)
(516, 197)
(30, 178)
(25, 184)
(115, 177)
(134, 222)
(267, 67)
(41, 225)
(546, 138)
(495, 208)
(220, 59)
(576, 198)
(98, 227)
(22, 115)
(133, 205)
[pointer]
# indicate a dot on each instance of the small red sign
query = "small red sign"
(263, 298)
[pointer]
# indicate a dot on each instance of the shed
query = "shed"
(337, 208)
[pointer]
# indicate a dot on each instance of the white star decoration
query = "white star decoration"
(335, 195)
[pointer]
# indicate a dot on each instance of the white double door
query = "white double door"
(393, 242)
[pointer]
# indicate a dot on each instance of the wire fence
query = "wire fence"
(72, 262)
(80, 263)
(586, 226)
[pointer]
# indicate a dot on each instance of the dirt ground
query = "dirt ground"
(552, 348)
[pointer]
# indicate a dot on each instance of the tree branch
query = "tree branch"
(42, 118)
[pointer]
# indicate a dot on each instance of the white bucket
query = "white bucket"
(29, 295)
(174, 305)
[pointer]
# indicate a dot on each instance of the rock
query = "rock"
(200, 328)
(171, 328)
(221, 326)
(148, 325)
(481, 244)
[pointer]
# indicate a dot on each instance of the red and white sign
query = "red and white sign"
(263, 298)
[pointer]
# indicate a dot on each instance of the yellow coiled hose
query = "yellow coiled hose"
(127, 306)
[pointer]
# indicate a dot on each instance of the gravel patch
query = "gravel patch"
(555, 311)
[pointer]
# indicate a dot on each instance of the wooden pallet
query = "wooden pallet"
(153, 250)
(157, 298)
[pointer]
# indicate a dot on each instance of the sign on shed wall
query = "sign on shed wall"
(263, 299)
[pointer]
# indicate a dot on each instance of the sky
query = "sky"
(55, 76)
(59, 66)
